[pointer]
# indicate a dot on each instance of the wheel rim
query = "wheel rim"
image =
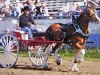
(36, 56)
(8, 50)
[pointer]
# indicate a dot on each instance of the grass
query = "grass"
(91, 54)
(23, 53)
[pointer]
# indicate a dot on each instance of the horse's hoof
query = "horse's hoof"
(45, 66)
(75, 69)
(59, 60)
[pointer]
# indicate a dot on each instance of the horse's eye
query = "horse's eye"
(94, 11)
(88, 12)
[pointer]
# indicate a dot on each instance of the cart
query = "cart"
(9, 48)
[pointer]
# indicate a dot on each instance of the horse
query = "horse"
(74, 35)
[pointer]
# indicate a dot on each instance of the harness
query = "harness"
(64, 35)
(77, 31)
(77, 26)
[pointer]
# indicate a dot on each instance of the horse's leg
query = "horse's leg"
(79, 57)
(46, 54)
(57, 56)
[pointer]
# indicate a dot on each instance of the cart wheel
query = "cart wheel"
(37, 56)
(9, 49)
(40, 56)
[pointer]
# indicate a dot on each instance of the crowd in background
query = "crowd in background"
(69, 9)
(74, 8)
(37, 8)
(15, 9)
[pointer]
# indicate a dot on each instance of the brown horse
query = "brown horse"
(74, 35)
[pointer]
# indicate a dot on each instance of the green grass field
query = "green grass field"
(90, 54)
(67, 53)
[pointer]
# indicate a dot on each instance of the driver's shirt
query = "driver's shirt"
(24, 20)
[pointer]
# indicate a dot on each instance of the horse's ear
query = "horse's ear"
(87, 7)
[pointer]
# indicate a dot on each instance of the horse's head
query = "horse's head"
(91, 15)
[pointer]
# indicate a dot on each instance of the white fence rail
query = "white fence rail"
(10, 23)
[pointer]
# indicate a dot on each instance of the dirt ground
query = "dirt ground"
(24, 67)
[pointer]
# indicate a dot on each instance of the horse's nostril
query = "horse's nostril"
(98, 22)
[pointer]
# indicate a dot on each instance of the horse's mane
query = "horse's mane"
(79, 18)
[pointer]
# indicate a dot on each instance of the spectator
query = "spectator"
(4, 9)
(38, 10)
(44, 10)
(77, 10)
(14, 12)
(32, 7)
(28, 2)
(19, 6)
(63, 11)
(24, 4)
(39, 1)
(1, 5)
(76, 13)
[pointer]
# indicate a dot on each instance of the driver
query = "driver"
(25, 22)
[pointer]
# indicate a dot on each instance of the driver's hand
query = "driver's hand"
(29, 23)
(35, 24)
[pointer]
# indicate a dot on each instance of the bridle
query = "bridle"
(89, 18)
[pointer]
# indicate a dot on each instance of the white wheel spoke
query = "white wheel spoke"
(34, 60)
(37, 62)
(5, 42)
(13, 58)
(3, 59)
(13, 50)
(12, 46)
(9, 52)
(14, 40)
(41, 59)
(2, 56)
(2, 47)
(8, 58)
(13, 54)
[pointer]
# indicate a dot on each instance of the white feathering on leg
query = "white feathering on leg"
(82, 53)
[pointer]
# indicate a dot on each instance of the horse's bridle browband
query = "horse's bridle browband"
(85, 11)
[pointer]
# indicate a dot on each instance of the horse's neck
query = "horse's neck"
(84, 23)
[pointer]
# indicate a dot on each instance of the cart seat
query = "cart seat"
(21, 35)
